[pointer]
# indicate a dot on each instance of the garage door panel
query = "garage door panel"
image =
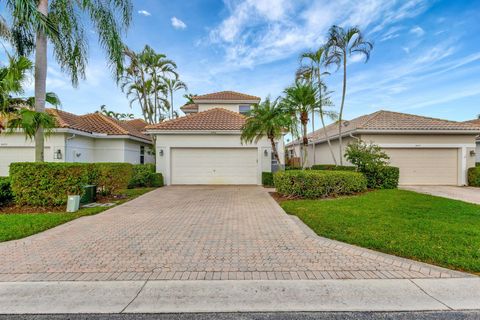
(14, 154)
(427, 166)
(214, 166)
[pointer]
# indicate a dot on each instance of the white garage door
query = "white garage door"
(14, 154)
(426, 166)
(214, 166)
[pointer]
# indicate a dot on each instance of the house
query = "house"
(476, 122)
(91, 137)
(428, 151)
(204, 147)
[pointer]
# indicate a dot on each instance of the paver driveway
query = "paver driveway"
(195, 233)
(467, 194)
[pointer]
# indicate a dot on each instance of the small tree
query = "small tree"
(366, 156)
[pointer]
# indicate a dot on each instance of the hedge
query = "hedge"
(112, 176)
(144, 175)
(267, 179)
(382, 177)
(318, 184)
(333, 167)
(6, 194)
(474, 177)
(48, 184)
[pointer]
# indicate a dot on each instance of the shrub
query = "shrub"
(318, 184)
(48, 184)
(112, 176)
(6, 194)
(474, 177)
(333, 167)
(144, 175)
(267, 179)
(385, 177)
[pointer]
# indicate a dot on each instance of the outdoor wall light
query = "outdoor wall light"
(57, 154)
(472, 153)
(160, 153)
(265, 153)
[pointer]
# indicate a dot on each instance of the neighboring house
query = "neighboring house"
(428, 151)
(476, 122)
(204, 147)
(87, 138)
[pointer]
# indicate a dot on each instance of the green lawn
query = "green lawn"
(426, 228)
(16, 226)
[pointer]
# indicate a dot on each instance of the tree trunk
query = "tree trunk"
(40, 80)
(313, 130)
(340, 144)
(171, 101)
(274, 149)
(323, 120)
(304, 122)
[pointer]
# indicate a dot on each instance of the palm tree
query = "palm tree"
(189, 97)
(62, 22)
(341, 44)
(301, 99)
(173, 85)
(316, 60)
(267, 119)
(143, 81)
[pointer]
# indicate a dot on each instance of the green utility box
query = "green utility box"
(89, 194)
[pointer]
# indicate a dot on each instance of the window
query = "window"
(244, 109)
(142, 154)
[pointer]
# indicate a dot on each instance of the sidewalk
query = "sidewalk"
(239, 296)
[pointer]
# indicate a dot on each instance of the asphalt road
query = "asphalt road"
(444, 315)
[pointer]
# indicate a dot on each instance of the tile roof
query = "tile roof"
(212, 119)
(100, 123)
(393, 121)
(226, 95)
(191, 107)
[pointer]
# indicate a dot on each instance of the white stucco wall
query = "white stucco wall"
(74, 148)
(235, 107)
(165, 142)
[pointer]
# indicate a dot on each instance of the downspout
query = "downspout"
(66, 140)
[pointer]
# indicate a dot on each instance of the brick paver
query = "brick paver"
(196, 233)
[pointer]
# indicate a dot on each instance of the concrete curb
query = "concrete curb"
(239, 296)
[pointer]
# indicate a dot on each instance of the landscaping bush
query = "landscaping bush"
(267, 179)
(48, 184)
(384, 177)
(372, 161)
(333, 167)
(474, 177)
(318, 183)
(6, 194)
(144, 175)
(112, 176)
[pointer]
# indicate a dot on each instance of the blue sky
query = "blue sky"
(426, 58)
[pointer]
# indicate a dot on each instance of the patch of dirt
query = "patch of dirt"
(278, 197)
(14, 209)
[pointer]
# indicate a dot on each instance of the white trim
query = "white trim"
(463, 176)
(426, 145)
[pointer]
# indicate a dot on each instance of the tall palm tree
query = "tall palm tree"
(267, 119)
(301, 98)
(317, 60)
(173, 85)
(342, 44)
(62, 22)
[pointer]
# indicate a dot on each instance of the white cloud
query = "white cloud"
(144, 13)
(177, 23)
(261, 31)
(417, 31)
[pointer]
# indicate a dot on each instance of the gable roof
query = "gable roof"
(389, 121)
(225, 96)
(99, 123)
(212, 119)
(191, 107)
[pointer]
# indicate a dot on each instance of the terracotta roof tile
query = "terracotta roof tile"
(191, 107)
(212, 119)
(226, 95)
(393, 121)
(99, 123)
